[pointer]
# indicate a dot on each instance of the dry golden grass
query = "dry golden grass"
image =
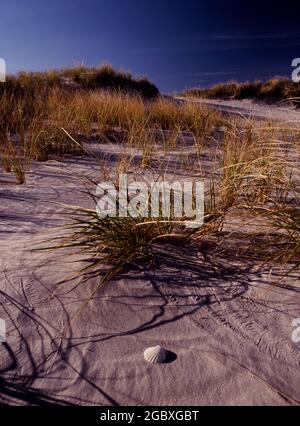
(256, 170)
(275, 89)
(43, 129)
(254, 175)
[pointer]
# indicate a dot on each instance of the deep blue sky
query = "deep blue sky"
(176, 43)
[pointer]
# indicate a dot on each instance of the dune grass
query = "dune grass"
(274, 90)
(286, 219)
(76, 78)
(253, 171)
(35, 120)
(254, 175)
(257, 176)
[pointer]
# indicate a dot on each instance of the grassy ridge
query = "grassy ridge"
(103, 77)
(274, 90)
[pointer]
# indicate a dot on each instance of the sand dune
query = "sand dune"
(228, 326)
(249, 108)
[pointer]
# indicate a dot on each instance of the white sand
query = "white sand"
(248, 108)
(230, 329)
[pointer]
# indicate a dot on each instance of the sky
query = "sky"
(178, 44)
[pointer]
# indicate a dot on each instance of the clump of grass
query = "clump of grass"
(198, 120)
(253, 169)
(116, 111)
(105, 77)
(253, 163)
(282, 243)
(112, 243)
(275, 89)
(6, 161)
(13, 161)
(18, 169)
(287, 220)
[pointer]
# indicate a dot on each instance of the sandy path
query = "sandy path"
(248, 108)
(229, 328)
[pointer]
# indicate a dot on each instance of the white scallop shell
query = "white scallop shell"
(156, 355)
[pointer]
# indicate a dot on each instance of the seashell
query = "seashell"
(156, 355)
